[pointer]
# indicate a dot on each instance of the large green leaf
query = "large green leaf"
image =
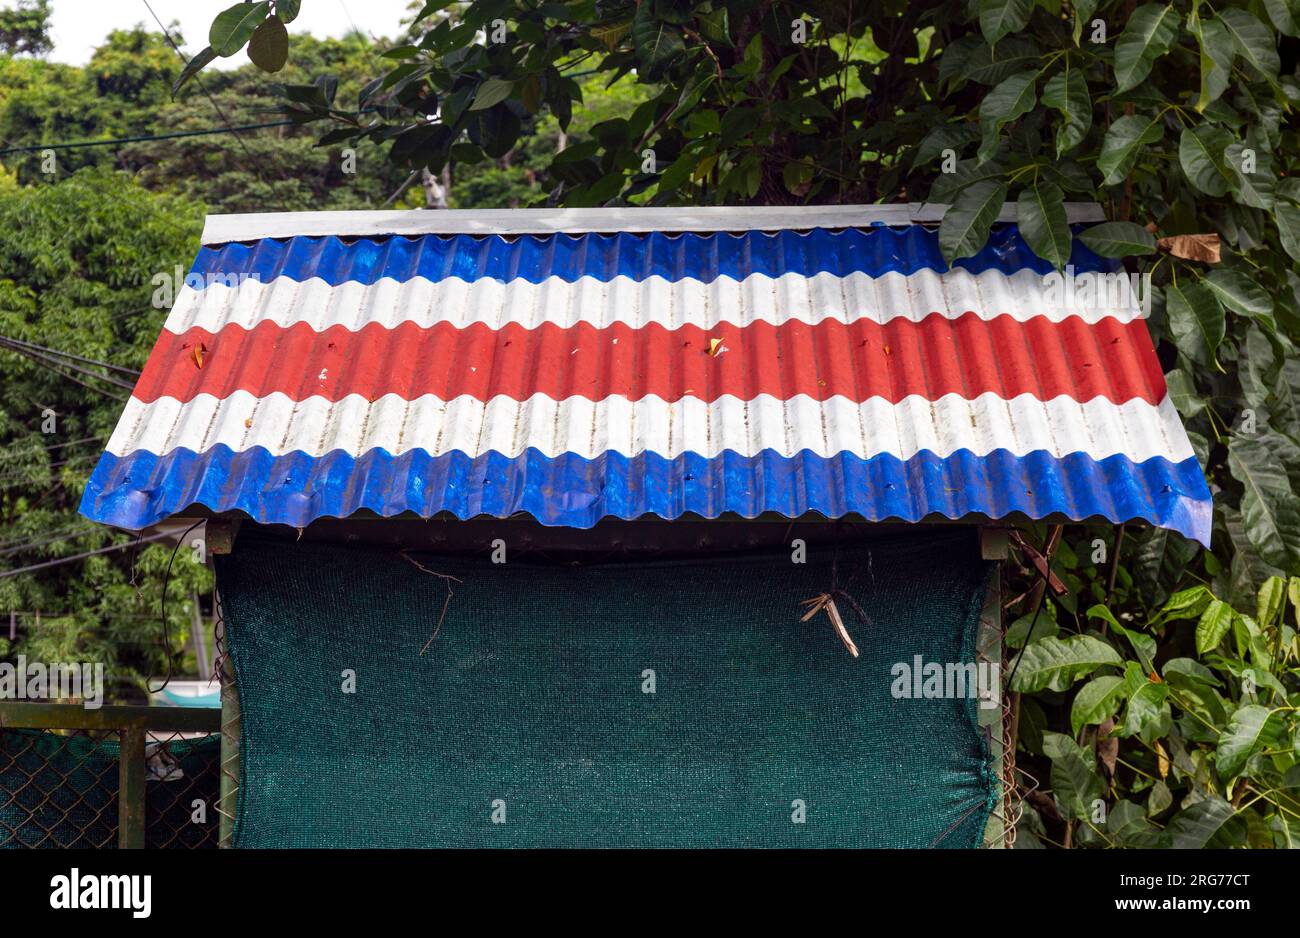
(1197, 321)
(1123, 145)
(965, 226)
(658, 44)
(1283, 17)
(193, 67)
(1147, 713)
(1067, 92)
(1212, 822)
(1213, 625)
(491, 92)
(1075, 781)
(988, 65)
(234, 26)
(1239, 293)
(1000, 17)
(1216, 52)
(1056, 663)
(268, 48)
(1119, 239)
(1128, 825)
(947, 185)
(1043, 223)
(1144, 645)
(1253, 40)
(1256, 187)
(1269, 508)
(1250, 730)
(1186, 398)
(1287, 217)
(1201, 152)
(1270, 601)
(955, 137)
(1096, 701)
(1150, 33)
(1009, 99)
(1184, 604)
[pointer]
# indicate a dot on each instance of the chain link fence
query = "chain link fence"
(113, 777)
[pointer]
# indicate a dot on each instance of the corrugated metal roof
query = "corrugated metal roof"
(578, 376)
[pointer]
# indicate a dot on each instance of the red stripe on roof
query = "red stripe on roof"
(860, 360)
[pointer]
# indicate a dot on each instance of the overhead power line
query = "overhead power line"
(145, 138)
(131, 372)
(185, 63)
(56, 360)
(17, 452)
(45, 541)
(75, 557)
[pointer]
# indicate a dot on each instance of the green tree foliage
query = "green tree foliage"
(78, 254)
(25, 28)
(77, 261)
(1157, 698)
(124, 91)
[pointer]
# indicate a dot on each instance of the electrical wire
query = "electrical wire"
(54, 363)
(197, 78)
(44, 542)
(144, 138)
(132, 372)
(5, 574)
(11, 476)
(16, 452)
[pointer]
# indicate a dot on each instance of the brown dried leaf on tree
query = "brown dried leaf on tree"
(1193, 247)
(1107, 747)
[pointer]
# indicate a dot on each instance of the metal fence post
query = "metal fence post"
(130, 789)
(230, 730)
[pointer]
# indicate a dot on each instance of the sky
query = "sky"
(80, 25)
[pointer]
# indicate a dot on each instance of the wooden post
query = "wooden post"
(130, 789)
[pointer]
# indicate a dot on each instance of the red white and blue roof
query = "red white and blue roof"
(579, 364)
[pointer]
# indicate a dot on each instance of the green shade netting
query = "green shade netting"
(530, 703)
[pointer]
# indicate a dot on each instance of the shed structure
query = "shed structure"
(618, 403)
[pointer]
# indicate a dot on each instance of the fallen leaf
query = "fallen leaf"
(197, 353)
(716, 347)
(1194, 247)
(248, 423)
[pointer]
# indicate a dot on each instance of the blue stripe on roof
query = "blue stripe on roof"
(704, 257)
(143, 488)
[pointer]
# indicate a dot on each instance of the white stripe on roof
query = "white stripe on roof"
(316, 426)
(758, 298)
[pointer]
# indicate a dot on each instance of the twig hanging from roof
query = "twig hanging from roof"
(446, 578)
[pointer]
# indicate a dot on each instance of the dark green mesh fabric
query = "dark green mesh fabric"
(61, 791)
(532, 695)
